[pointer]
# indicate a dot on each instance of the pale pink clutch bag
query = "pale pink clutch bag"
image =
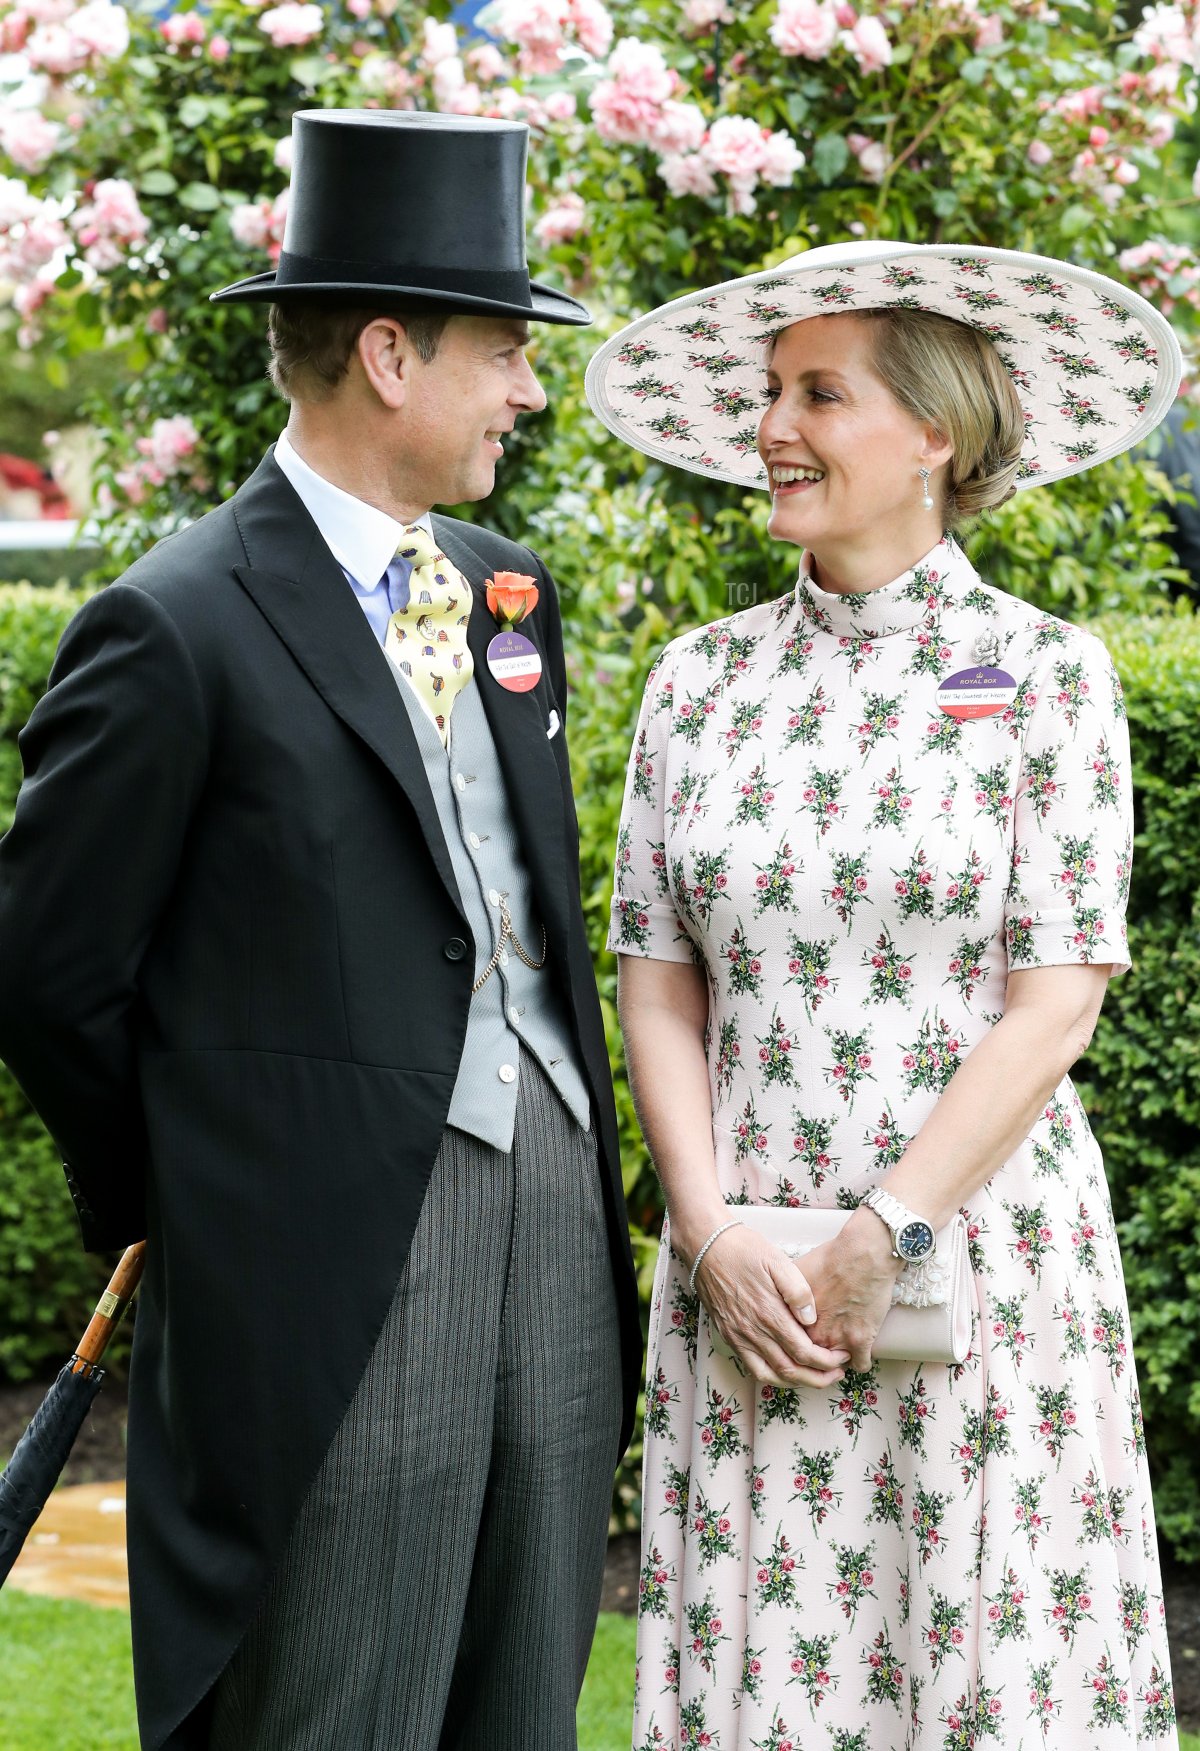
(937, 1330)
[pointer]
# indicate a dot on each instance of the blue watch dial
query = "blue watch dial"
(915, 1241)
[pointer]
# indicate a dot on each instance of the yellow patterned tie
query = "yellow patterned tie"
(428, 638)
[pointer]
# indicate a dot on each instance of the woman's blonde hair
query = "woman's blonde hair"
(949, 376)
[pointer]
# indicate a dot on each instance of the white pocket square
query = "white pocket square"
(554, 725)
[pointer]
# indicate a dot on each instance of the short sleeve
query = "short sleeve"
(644, 920)
(1073, 818)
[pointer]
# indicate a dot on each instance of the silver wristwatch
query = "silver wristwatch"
(912, 1238)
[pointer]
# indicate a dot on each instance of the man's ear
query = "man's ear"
(387, 359)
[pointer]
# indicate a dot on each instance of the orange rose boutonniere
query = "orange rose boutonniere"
(510, 597)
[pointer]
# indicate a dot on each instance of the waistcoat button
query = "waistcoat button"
(455, 949)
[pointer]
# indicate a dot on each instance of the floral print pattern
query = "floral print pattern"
(1093, 363)
(921, 1556)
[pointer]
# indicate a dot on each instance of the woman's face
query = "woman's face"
(831, 415)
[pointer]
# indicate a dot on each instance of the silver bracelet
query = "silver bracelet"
(715, 1235)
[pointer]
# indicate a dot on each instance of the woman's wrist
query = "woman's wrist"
(690, 1229)
(870, 1235)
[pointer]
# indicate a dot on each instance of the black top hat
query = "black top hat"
(404, 204)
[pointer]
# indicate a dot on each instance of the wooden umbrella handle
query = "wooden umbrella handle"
(110, 1308)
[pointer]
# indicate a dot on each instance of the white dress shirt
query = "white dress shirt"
(361, 538)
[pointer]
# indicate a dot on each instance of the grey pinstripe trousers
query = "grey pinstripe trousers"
(439, 1590)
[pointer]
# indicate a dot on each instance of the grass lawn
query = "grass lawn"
(66, 1682)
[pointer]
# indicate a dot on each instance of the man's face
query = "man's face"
(458, 408)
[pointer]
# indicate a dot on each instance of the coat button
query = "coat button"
(455, 949)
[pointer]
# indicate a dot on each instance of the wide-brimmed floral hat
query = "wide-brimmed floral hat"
(1096, 366)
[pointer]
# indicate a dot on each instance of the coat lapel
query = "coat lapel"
(302, 591)
(518, 723)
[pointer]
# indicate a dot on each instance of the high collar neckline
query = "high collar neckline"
(914, 599)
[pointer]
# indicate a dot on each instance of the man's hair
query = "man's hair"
(949, 376)
(312, 343)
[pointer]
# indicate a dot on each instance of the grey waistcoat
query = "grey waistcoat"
(515, 1004)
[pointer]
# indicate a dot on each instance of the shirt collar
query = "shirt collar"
(906, 604)
(361, 538)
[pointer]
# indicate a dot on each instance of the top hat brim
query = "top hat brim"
(545, 303)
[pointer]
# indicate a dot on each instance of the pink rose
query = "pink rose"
(680, 128)
(28, 138)
(627, 106)
(734, 145)
(593, 27)
(292, 24)
(782, 158)
(804, 27)
(184, 28)
(868, 42)
(101, 29)
(562, 221)
(687, 175)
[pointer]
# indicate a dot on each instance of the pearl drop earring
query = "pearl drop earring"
(926, 502)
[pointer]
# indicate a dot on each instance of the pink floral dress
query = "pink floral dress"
(921, 1556)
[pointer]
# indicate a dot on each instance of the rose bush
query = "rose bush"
(672, 143)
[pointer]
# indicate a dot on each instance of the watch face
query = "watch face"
(915, 1241)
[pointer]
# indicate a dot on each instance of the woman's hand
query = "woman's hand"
(852, 1278)
(762, 1303)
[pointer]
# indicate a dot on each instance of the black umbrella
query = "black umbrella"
(42, 1451)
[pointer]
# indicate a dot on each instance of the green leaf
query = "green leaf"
(830, 156)
(1075, 220)
(200, 197)
(157, 182)
(797, 106)
(311, 70)
(68, 279)
(944, 202)
(192, 111)
(975, 71)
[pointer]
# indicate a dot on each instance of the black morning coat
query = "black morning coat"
(234, 982)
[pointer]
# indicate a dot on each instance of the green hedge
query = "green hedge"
(48, 1285)
(1141, 1080)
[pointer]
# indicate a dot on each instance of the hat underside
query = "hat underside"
(546, 303)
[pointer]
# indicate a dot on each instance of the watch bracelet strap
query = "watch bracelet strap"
(896, 1216)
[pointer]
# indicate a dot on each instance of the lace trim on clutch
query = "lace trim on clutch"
(923, 1285)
